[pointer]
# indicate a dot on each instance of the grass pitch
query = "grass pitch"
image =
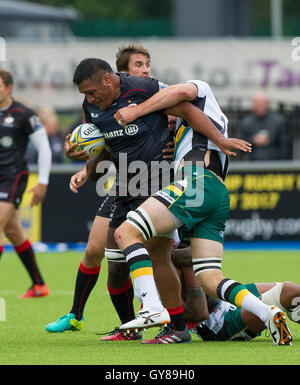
(24, 340)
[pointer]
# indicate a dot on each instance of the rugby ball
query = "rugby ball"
(88, 137)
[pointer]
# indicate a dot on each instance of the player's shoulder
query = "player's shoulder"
(136, 82)
(30, 119)
(19, 109)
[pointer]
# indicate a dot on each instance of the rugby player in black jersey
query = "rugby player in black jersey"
(145, 141)
(18, 125)
(135, 60)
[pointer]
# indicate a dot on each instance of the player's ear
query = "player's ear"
(107, 79)
(10, 88)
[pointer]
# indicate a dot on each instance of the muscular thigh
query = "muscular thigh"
(206, 248)
(6, 212)
(161, 217)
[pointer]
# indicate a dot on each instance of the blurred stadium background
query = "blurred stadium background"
(238, 47)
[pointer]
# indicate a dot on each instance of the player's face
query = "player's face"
(5, 93)
(99, 92)
(139, 65)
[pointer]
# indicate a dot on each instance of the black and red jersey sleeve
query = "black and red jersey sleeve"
(31, 122)
(133, 85)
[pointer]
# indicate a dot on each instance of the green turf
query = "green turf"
(24, 340)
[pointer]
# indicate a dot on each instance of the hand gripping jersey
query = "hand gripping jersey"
(17, 122)
(142, 140)
(187, 139)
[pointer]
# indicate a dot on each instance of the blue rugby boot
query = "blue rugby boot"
(66, 322)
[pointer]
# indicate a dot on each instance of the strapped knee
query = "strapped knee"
(142, 222)
(204, 264)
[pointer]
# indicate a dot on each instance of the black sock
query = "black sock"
(177, 318)
(85, 282)
(27, 256)
(122, 300)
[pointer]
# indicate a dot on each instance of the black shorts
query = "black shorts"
(121, 207)
(12, 187)
(105, 206)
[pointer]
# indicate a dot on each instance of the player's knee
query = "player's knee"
(14, 235)
(208, 273)
(93, 254)
(119, 235)
(125, 233)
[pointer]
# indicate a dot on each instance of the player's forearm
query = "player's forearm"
(197, 120)
(167, 97)
(91, 165)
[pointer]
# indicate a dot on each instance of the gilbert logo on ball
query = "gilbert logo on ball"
(2, 49)
(88, 137)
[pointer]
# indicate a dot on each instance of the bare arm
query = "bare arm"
(201, 123)
(91, 165)
(163, 99)
(175, 101)
(88, 172)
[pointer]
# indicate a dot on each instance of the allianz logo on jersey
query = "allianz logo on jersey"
(130, 129)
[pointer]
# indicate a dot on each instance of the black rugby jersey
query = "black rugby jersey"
(145, 138)
(17, 122)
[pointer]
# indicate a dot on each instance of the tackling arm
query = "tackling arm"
(163, 99)
(201, 123)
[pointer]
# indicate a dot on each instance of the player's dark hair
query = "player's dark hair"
(124, 53)
(90, 67)
(6, 77)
